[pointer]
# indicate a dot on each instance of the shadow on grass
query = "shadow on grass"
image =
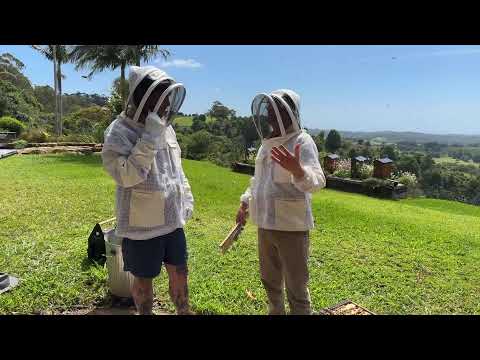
(87, 264)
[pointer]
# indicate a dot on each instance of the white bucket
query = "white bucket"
(120, 282)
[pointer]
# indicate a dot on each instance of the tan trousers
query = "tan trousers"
(283, 259)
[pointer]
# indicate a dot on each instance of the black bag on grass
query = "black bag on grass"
(96, 246)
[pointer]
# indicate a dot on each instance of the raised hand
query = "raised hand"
(287, 160)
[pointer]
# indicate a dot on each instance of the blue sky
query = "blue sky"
(433, 89)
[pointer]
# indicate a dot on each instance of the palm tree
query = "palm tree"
(145, 52)
(101, 57)
(58, 55)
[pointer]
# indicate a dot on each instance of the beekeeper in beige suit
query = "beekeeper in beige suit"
(287, 171)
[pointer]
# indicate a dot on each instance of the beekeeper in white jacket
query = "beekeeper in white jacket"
(153, 196)
(287, 171)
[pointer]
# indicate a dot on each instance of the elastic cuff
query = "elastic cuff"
(244, 200)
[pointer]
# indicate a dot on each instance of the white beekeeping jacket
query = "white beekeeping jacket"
(276, 199)
(153, 196)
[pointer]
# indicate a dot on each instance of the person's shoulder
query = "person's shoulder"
(121, 124)
(110, 128)
(304, 137)
(170, 133)
(120, 131)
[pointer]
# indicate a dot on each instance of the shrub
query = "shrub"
(20, 144)
(11, 124)
(199, 144)
(86, 120)
(365, 171)
(374, 183)
(81, 138)
(406, 178)
(342, 173)
(35, 135)
(410, 181)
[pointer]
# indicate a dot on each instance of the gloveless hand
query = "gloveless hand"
(289, 161)
(242, 214)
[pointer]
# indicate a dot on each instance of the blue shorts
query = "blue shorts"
(144, 258)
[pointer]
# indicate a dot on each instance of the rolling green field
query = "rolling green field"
(415, 256)
(188, 120)
(450, 160)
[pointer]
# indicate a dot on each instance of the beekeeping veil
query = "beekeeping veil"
(143, 81)
(276, 115)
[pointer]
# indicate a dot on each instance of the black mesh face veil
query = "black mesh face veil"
(153, 90)
(266, 116)
(274, 114)
(170, 102)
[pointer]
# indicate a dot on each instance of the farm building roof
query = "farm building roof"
(360, 158)
(385, 160)
(333, 156)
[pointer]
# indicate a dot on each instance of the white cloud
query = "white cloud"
(181, 63)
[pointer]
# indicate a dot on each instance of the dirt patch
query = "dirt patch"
(109, 306)
(108, 311)
(346, 308)
(113, 310)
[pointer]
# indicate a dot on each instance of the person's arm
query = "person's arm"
(242, 212)
(245, 198)
(130, 164)
(314, 177)
(307, 173)
(189, 201)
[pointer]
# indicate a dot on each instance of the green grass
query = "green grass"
(187, 121)
(416, 256)
(450, 160)
(184, 121)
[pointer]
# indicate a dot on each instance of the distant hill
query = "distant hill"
(71, 102)
(407, 136)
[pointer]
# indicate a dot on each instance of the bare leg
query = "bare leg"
(142, 292)
(178, 288)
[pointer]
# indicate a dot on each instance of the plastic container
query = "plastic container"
(119, 282)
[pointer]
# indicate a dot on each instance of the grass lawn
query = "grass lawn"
(187, 121)
(184, 121)
(416, 256)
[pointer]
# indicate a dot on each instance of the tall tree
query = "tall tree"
(58, 55)
(220, 111)
(11, 70)
(389, 151)
(145, 52)
(102, 57)
(248, 133)
(319, 140)
(334, 141)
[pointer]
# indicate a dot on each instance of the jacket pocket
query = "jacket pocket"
(280, 175)
(290, 215)
(175, 155)
(147, 209)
